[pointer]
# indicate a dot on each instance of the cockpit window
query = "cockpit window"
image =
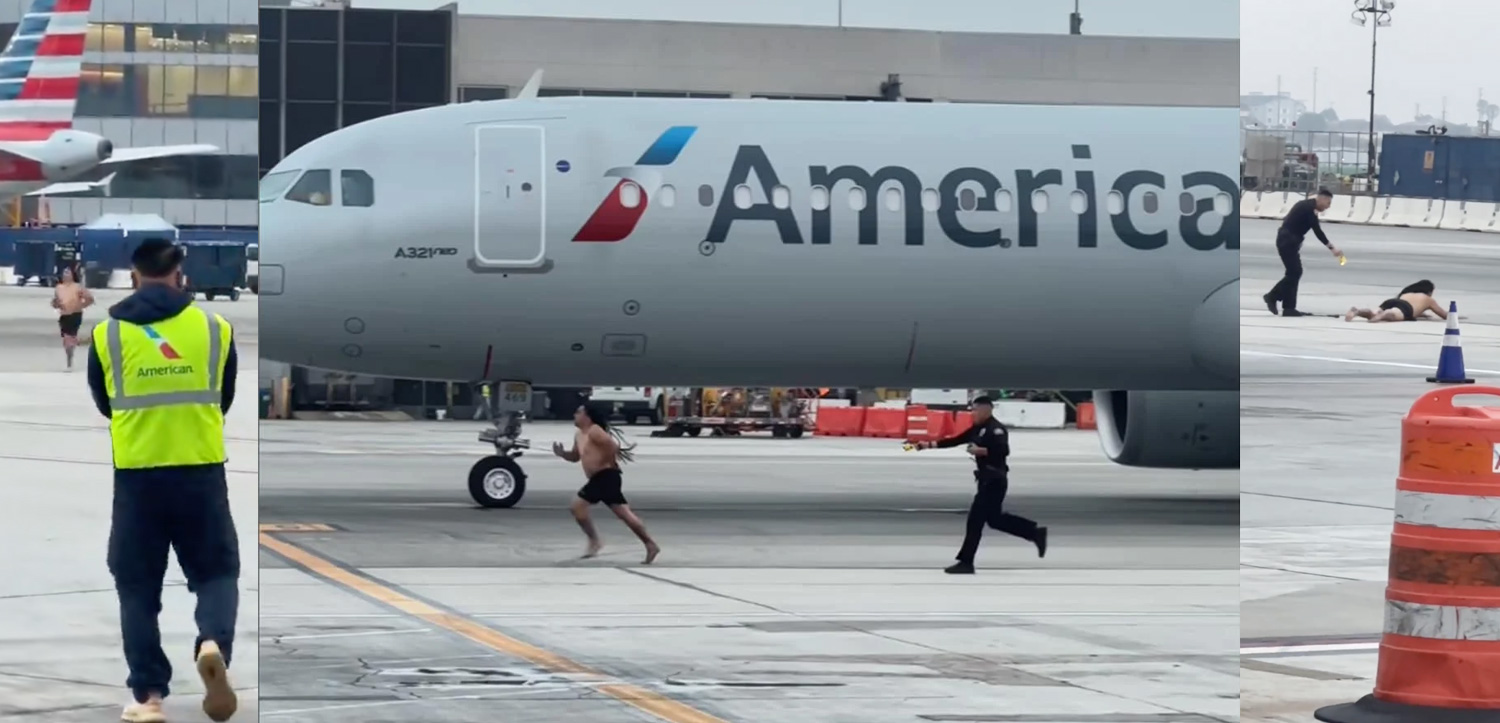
(314, 187)
(274, 183)
(358, 188)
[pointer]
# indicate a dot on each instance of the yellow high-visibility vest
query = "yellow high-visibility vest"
(164, 382)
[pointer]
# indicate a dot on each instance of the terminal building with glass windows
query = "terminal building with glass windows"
(161, 73)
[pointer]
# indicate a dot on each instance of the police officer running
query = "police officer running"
(163, 370)
(989, 442)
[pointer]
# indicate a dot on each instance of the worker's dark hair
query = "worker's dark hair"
(599, 415)
(983, 401)
(156, 258)
(1421, 287)
(1325, 193)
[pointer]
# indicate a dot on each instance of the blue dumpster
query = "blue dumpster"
(214, 268)
(36, 259)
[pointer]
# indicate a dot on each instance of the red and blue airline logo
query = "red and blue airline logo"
(613, 220)
(162, 345)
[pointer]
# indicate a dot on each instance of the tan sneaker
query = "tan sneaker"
(148, 712)
(219, 702)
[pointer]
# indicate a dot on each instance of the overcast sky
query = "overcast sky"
(1151, 18)
(1432, 48)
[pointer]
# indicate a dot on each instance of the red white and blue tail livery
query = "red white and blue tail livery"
(40, 151)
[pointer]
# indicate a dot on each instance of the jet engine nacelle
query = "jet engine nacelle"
(69, 153)
(1194, 430)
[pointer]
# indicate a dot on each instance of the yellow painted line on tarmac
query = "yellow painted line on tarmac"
(296, 527)
(649, 701)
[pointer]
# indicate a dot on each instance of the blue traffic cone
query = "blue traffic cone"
(1451, 360)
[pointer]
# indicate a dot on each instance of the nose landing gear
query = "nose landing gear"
(497, 481)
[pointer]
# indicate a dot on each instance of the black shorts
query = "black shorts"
(605, 486)
(1405, 308)
(69, 324)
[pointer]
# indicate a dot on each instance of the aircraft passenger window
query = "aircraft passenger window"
(819, 198)
(274, 184)
(1040, 201)
(705, 195)
(1114, 202)
(929, 200)
(314, 187)
(893, 199)
(742, 197)
(666, 196)
(857, 198)
(1003, 201)
(630, 194)
(1078, 202)
(781, 196)
(1187, 203)
(1223, 204)
(357, 188)
(1149, 202)
(968, 200)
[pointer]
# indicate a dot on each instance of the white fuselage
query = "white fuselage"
(465, 268)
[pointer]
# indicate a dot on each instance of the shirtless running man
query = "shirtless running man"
(601, 449)
(1409, 304)
(70, 298)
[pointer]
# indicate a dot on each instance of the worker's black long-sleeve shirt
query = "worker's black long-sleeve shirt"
(993, 436)
(1303, 218)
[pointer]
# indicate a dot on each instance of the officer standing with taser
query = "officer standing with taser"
(989, 442)
(163, 371)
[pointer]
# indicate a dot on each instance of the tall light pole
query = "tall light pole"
(1380, 12)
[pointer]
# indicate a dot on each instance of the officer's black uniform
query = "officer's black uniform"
(1302, 218)
(185, 509)
(992, 475)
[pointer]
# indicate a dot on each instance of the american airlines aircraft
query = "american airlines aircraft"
(39, 73)
(608, 241)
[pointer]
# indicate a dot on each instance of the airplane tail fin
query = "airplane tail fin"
(40, 68)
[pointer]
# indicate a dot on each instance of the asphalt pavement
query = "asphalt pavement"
(60, 655)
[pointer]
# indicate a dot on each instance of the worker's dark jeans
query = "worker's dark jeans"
(1285, 290)
(988, 509)
(185, 509)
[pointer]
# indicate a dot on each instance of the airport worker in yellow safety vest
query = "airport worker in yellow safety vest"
(162, 371)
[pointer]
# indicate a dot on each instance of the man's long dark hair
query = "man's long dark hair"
(1421, 287)
(598, 415)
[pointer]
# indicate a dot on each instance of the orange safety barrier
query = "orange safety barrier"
(840, 421)
(962, 420)
(885, 423)
(1440, 654)
(1086, 416)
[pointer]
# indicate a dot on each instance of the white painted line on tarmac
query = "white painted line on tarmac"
(1367, 362)
(548, 614)
(1325, 648)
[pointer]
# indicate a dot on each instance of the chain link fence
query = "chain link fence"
(1305, 161)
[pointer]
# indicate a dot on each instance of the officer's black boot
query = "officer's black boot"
(960, 568)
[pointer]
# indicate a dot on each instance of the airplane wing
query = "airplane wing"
(73, 187)
(126, 155)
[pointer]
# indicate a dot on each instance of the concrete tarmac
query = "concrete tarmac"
(800, 580)
(60, 656)
(1321, 407)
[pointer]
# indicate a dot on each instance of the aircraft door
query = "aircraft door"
(510, 196)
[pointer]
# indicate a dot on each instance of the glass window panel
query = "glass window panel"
(367, 73)
(316, 71)
(421, 74)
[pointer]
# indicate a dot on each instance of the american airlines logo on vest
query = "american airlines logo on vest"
(166, 371)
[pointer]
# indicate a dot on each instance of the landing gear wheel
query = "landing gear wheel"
(497, 482)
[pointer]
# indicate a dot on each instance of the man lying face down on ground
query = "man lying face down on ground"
(1409, 304)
